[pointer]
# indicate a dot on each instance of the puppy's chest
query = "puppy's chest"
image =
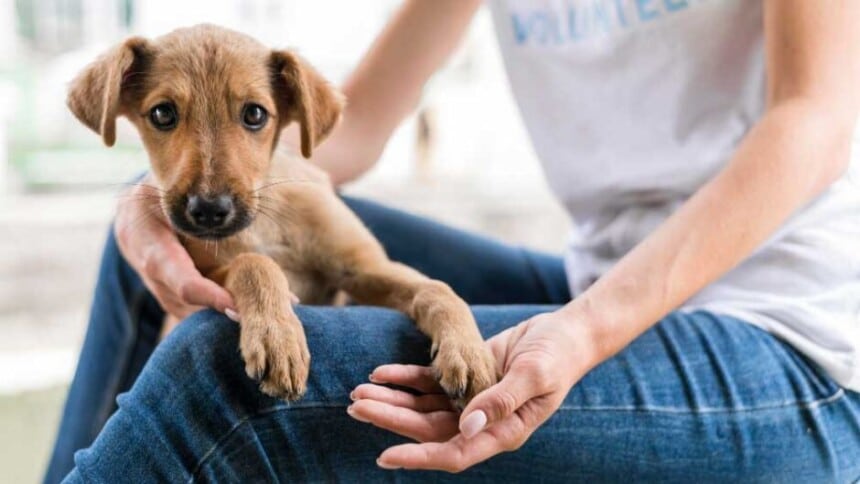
(309, 285)
(289, 250)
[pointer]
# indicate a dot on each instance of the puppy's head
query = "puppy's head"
(209, 104)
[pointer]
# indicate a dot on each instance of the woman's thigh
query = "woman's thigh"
(703, 398)
(699, 398)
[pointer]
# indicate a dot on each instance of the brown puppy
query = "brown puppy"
(210, 104)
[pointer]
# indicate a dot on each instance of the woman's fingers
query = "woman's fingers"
(169, 302)
(458, 453)
(412, 376)
(501, 400)
(187, 293)
(196, 290)
(434, 426)
(420, 403)
(170, 264)
(454, 455)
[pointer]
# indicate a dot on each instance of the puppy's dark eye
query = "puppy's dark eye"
(164, 116)
(254, 117)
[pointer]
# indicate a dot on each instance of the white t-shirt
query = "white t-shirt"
(632, 105)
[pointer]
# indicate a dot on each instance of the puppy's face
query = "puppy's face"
(209, 104)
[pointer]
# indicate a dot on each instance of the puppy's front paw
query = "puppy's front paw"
(276, 355)
(463, 368)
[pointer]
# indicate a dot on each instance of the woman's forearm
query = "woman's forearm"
(386, 86)
(793, 154)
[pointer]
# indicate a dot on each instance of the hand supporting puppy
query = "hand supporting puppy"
(153, 250)
(540, 358)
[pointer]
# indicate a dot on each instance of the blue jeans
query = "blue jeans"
(698, 398)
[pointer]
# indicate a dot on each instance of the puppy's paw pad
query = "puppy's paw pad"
(463, 370)
(276, 355)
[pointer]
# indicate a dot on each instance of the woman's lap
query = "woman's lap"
(125, 320)
(697, 396)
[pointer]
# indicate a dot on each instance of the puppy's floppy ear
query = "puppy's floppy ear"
(303, 95)
(96, 94)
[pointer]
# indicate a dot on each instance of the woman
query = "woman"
(703, 149)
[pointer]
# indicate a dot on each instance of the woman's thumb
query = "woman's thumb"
(496, 403)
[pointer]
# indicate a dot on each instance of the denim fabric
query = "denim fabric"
(698, 398)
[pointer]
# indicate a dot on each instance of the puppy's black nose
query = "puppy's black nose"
(209, 212)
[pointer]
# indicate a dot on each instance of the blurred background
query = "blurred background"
(462, 157)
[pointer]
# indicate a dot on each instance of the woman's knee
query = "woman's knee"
(345, 343)
(201, 350)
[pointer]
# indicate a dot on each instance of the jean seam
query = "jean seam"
(811, 405)
(244, 420)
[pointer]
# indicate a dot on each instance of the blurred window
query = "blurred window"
(55, 26)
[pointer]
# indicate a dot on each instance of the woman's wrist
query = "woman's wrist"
(578, 330)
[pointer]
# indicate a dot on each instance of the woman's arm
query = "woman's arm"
(386, 86)
(798, 148)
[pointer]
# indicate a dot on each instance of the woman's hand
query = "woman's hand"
(540, 359)
(152, 249)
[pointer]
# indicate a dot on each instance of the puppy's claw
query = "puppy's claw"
(282, 393)
(256, 374)
(463, 370)
(254, 354)
(276, 356)
(434, 350)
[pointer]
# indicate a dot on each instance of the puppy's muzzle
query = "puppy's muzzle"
(208, 216)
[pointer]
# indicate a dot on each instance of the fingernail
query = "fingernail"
(232, 314)
(473, 423)
(370, 377)
(386, 466)
(351, 412)
(352, 396)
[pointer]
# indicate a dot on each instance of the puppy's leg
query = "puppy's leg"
(463, 365)
(272, 340)
(341, 248)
